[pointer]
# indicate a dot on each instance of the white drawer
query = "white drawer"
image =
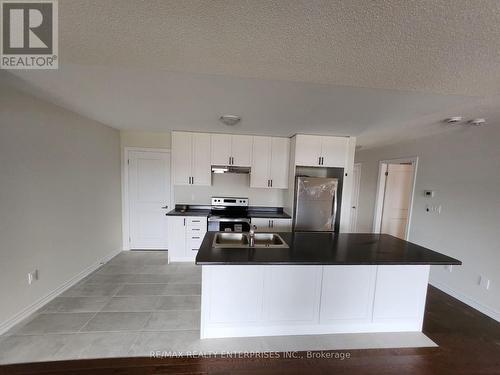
(197, 222)
(194, 241)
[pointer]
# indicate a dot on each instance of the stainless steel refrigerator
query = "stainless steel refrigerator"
(315, 204)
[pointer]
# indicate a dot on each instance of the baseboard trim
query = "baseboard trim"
(24, 313)
(492, 313)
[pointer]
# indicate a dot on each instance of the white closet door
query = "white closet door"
(149, 198)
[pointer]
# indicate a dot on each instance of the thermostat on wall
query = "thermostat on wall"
(429, 193)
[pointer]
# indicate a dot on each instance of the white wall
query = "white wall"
(59, 197)
(233, 185)
(463, 168)
(133, 138)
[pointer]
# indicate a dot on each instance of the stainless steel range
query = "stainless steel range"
(229, 214)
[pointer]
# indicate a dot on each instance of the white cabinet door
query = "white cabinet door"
(261, 157)
(234, 302)
(149, 197)
(400, 292)
(221, 149)
(262, 224)
(201, 168)
(307, 150)
(334, 151)
(241, 150)
(347, 293)
(292, 294)
(281, 225)
(280, 153)
(181, 157)
(176, 237)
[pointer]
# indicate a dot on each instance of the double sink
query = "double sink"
(242, 240)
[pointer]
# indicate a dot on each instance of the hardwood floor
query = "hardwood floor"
(469, 343)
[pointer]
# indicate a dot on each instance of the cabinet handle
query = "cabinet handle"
(322, 160)
(319, 160)
(195, 238)
(230, 160)
(184, 221)
(192, 180)
(196, 229)
(271, 183)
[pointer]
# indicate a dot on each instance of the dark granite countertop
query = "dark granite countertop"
(268, 212)
(204, 210)
(189, 212)
(319, 248)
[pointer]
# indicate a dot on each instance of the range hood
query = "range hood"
(230, 169)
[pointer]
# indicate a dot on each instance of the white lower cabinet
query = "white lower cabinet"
(185, 235)
(292, 294)
(239, 302)
(399, 292)
(272, 225)
(270, 300)
(354, 286)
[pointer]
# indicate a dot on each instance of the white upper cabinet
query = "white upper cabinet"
(280, 156)
(221, 149)
(319, 151)
(261, 161)
(182, 151)
(334, 151)
(270, 158)
(190, 161)
(231, 150)
(241, 150)
(307, 150)
(201, 169)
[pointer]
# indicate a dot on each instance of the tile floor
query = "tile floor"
(136, 304)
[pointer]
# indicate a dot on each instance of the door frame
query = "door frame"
(125, 195)
(379, 199)
(356, 183)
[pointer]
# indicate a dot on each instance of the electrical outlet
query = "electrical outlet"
(484, 283)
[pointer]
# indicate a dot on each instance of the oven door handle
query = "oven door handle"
(228, 220)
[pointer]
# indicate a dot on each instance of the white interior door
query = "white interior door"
(356, 180)
(398, 188)
(149, 199)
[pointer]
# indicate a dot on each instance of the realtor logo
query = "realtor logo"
(29, 34)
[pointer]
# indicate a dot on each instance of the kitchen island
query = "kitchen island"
(319, 283)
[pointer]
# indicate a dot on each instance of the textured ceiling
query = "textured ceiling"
(438, 46)
(383, 71)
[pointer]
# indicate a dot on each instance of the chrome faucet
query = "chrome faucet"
(251, 235)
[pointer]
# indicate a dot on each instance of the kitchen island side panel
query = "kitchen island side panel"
(260, 300)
